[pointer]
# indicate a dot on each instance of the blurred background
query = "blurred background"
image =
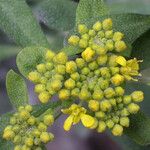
(57, 18)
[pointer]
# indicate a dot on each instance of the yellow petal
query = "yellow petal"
(68, 123)
(76, 119)
(87, 120)
(121, 61)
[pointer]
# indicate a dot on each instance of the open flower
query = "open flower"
(77, 114)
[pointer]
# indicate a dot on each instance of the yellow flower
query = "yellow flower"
(77, 114)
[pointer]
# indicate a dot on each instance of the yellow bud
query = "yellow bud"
(117, 130)
(42, 127)
(101, 127)
(101, 60)
(85, 71)
(61, 58)
(80, 62)
(127, 99)
(29, 142)
(109, 46)
(44, 97)
(93, 65)
(87, 120)
(109, 92)
(83, 43)
(75, 76)
(100, 114)
(8, 134)
(117, 79)
(28, 108)
(101, 50)
(84, 94)
(45, 138)
(24, 114)
(61, 69)
(82, 29)
(125, 112)
(48, 119)
(31, 120)
(49, 66)
(114, 70)
(41, 68)
(97, 26)
(109, 123)
(69, 84)
(64, 94)
(101, 34)
(49, 55)
(120, 46)
(85, 37)
(137, 96)
(109, 34)
(36, 133)
(124, 121)
(39, 88)
(118, 36)
(92, 33)
(73, 40)
(112, 61)
(75, 92)
(121, 61)
(107, 24)
(119, 91)
(34, 76)
(98, 95)
(56, 85)
(71, 67)
(93, 105)
(133, 108)
(17, 147)
(88, 54)
(105, 105)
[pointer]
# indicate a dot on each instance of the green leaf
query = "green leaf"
(19, 23)
(7, 51)
(56, 14)
(87, 9)
(139, 129)
(128, 6)
(72, 50)
(141, 50)
(4, 121)
(16, 89)
(28, 58)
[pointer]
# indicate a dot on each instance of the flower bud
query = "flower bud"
(75, 76)
(75, 92)
(101, 127)
(31, 120)
(97, 26)
(98, 95)
(133, 108)
(109, 92)
(119, 91)
(137, 96)
(69, 84)
(125, 112)
(109, 34)
(85, 71)
(109, 123)
(121, 60)
(83, 43)
(105, 105)
(127, 99)
(29, 142)
(71, 67)
(42, 127)
(45, 138)
(107, 24)
(82, 29)
(34, 76)
(39, 88)
(49, 66)
(49, 55)
(61, 58)
(92, 33)
(101, 60)
(84, 94)
(93, 105)
(112, 61)
(41, 68)
(120, 46)
(117, 130)
(48, 119)
(100, 114)
(80, 62)
(61, 69)
(117, 79)
(88, 54)
(85, 37)
(124, 121)
(8, 134)
(24, 114)
(64, 94)
(73, 40)
(44, 97)
(101, 50)
(118, 36)
(114, 70)
(56, 85)
(101, 34)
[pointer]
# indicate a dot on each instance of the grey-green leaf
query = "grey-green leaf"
(18, 22)
(56, 14)
(28, 58)
(16, 89)
(139, 129)
(87, 9)
(141, 50)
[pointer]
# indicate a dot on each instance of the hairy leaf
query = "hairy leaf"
(56, 14)
(28, 58)
(16, 89)
(19, 23)
(139, 129)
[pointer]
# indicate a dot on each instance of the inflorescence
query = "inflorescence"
(28, 132)
(96, 78)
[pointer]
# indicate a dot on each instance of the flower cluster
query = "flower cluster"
(97, 78)
(28, 132)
